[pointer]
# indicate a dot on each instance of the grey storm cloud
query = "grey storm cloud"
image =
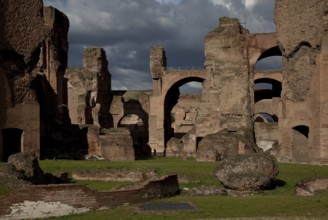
(126, 29)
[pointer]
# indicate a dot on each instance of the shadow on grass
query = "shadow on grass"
(277, 183)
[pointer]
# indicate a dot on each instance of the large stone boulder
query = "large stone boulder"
(247, 172)
(27, 163)
(224, 144)
(25, 166)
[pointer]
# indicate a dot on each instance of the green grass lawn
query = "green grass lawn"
(280, 202)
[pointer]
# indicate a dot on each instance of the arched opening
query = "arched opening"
(12, 142)
(300, 146)
(270, 59)
(266, 88)
(180, 107)
(139, 133)
(266, 130)
(268, 64)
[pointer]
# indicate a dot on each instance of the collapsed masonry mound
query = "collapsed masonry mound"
(311, 187)
(25, 166)
(247, 172)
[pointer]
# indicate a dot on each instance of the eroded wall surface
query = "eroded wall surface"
(89, 90)
(301, 37)
(33, 60)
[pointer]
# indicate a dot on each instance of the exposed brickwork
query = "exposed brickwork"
(77, 198)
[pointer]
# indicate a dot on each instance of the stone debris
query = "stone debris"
(311, 187)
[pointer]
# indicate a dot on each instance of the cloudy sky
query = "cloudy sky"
(126, 29)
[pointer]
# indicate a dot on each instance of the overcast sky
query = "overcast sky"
(126, 29)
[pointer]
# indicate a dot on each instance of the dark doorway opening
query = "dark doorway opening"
(12, 142)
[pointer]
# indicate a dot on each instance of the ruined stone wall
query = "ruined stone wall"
(156, 119)
(52, 200)
(165, 94)
(301, 29)
(27, 32)
(227, 88)
(117, 145)
(185, 112)
(89, 90)
(226, 100)
(53, 65)
(22, 32)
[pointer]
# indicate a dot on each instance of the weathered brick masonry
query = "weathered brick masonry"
(63, 199)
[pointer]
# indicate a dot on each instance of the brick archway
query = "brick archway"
(169, 81)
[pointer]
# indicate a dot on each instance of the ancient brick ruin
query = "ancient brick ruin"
(53, 111)
(33, 61)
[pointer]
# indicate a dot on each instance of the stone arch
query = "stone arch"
(273, 51)
(170, 80)
(138, 127)
(266, 88)
(12, 141)
(171, 99)
(260, 46)
(300, 144)
(130, 119)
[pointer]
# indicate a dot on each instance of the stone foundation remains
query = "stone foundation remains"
(52, 200)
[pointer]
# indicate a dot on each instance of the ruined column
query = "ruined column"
(226, 102)
(156, 114)
(53, 61)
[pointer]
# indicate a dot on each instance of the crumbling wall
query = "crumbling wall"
(299, 32)
(89, 90)
(301, 29)
(27, 33)
(117, 144)
(52, 67)
(226, 101)
(33, 60)
(185, 113)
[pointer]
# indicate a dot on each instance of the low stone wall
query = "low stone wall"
(64, 199)
(136, 175)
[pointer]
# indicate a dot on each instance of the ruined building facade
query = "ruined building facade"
(33, 61)
(43, 109)
(295, 103)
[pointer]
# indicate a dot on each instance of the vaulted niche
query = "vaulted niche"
(136, 127)
(137, 124)
(180, 107)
